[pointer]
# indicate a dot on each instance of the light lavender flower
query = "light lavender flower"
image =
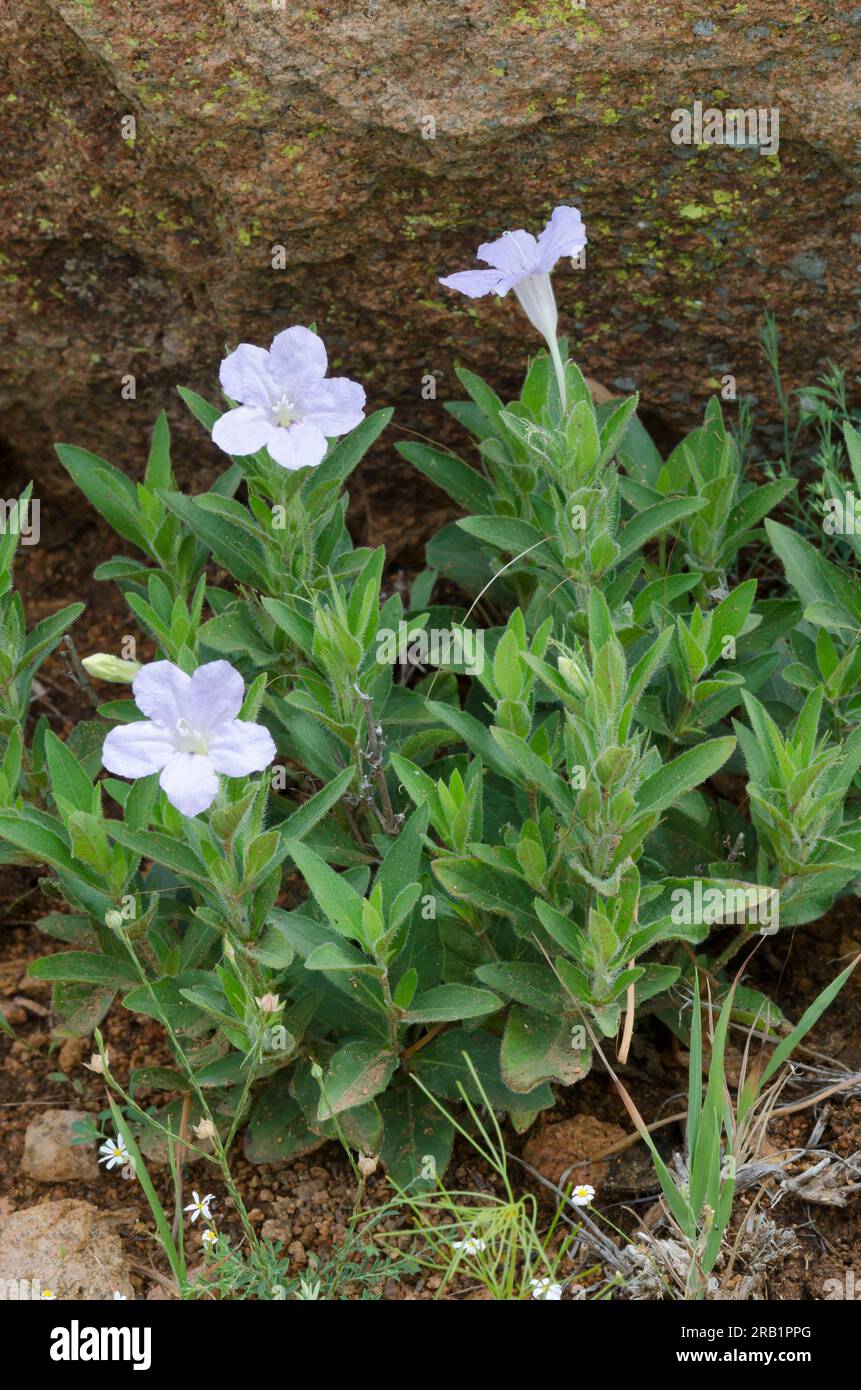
(191, 733)
(288, 404)
(523, 264)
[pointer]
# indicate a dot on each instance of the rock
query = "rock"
(50, 1155)
(13, 1013)
(72, 1053)
(571, 1144)
(69, 1247)
(10, 974)
(160, 166)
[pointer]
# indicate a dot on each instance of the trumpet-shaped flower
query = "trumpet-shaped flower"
(114, 1152)
(287, 403)
(191, 733)
(522, 262)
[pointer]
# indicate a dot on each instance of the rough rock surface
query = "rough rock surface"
(69, 1247)
(49, 1154)
(270, 130)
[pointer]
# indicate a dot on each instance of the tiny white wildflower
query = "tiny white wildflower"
(120, 1297)
(199, 1206)
(582, 1195)
(546, 1290)
(210, 1239)
(46, 1293)
(472, 1245)
(114, 1152)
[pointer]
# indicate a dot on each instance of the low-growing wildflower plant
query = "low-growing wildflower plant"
(448, 882)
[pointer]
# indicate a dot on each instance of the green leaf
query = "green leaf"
(356, 1074)
(506, 533)
(688, 770)
(449, 1003)
(343, 458)
(83, 968)
(813, 577)
(536, 1048)
(239, 554)
(653, 521)
(418, 1139)
(340, 903)
(41, 842)
(529, 983)
(111, 493)
(161, 849)
(278, 1129)
(70, 784)
(466, 487)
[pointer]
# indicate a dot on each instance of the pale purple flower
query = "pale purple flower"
(523, 263)
(287, 403)
(190, 735)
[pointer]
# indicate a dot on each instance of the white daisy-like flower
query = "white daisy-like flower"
(210, 1239)
(46, 1293)
(199, 1206)
(472, 1245)
(114, 1152)
(582, 1195)
(546, 1289)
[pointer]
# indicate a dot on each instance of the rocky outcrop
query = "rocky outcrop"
(187, 173)
(63, 1250)
(50, 1154)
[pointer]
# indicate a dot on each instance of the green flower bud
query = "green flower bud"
(110, 668)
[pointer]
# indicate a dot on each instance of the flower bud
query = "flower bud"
(204, 1130)
(268, 1003)
(114, 920)
(367, 1165)
(105, 667)
(97, 1063)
